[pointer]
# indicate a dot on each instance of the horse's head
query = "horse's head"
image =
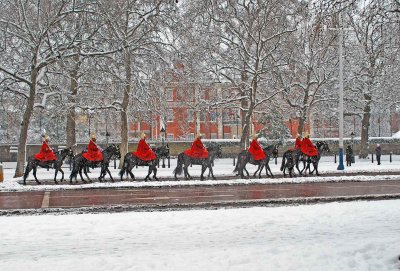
(323, 146)
(66, 152)
(272, 150)
(275, 150)
(215, 148)
(162, 151)
(113, 150)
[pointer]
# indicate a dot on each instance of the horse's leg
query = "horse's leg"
(55, 176)
(244, 168)
(255, 173)
(316, 168)
(269, 169)
(203, 168)
(212, 172)
(148, 174)
(109, 174)
(80, 174)
(34, 175)
(86, 174)
(27, 170)
(155, 173)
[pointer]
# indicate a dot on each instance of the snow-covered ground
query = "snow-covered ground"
(334, 236)
(223, 167)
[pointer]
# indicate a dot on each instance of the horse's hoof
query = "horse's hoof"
(55, 182)
(39, 183)
(155, 178)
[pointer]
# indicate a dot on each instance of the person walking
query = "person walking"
(378, 152)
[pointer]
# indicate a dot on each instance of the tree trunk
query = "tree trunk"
(71, 130)
(125, 103)
(23, 135)
(365, 127)
(300, 128)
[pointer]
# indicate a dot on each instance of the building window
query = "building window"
(214, 136)
(169, 94)
(190, 115)
(213, 116)
(202, 116)
(170, 137)
(170, 115)
(190, 137)
(227, 135)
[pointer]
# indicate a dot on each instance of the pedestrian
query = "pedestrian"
(349, 156)
(378, 152)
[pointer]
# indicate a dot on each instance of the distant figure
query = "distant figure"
(349, 156)
(378, 152)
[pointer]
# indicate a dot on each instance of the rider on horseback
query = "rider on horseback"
(197, 150)
(45, 153)
(256, 150)
(143, 151)
(94, 152)
(307, 147)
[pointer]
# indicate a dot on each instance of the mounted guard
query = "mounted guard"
(94, 152)
(197, 151)
(46, 153)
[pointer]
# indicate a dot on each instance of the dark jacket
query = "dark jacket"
(378, 151)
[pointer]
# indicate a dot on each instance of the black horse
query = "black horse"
(81, 162)
(245, 157)
(184, 161)
(321, 146)
(131, 160)
(271, 152)
(33, 163)
(290, 159)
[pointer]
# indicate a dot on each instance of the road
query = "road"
(110, 199)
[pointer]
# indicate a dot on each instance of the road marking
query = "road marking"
(46, 200)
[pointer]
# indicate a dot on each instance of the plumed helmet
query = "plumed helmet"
(199, 135)
(92, 136)
(142, 135)
(307, 135)
(255, 136)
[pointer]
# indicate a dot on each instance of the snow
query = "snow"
(333, 236)
(223, 167)
(396, 135)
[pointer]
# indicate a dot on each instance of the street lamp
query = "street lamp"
(162, 134)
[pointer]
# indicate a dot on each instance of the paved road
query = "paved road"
(192, 196)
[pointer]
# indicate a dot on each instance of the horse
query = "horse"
(290, 159)
(271, 152)
(321, 146)
(33, 163)
(245, 157)
(184, 161)
(131, 160)
(81, 162)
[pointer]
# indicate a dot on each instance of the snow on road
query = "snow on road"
(333, 236)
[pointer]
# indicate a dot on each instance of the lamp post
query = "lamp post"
(162, 134)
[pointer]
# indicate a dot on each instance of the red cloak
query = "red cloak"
(144, 152)
(308, 148)
(197, 150)
(93, 153)
(297, 145)
(256, 150)
(45, 153)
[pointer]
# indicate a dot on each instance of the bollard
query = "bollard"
(390, 157)
(115, 164)
(234, 162)
(169, 162)
(276, 160)
(372, 158)
(1, 173)
(335, 159)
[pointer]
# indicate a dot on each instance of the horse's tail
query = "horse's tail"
(74, 171)
(124, 168)
(237, 165)
(179, 165)
(26, 173)
(283, 161)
